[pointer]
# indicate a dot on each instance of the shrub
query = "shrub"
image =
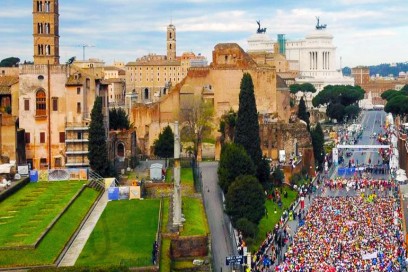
(247, 228)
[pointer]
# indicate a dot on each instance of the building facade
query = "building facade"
(55, 101)
(150, 77)
(315, 59)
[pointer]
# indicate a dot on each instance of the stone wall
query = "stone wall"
(219, 83)
(193, 246)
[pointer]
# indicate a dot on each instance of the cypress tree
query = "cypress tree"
(302, 113)
(98, 154)
(247, 126)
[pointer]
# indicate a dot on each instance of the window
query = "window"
(62, 137)
(55, 104)
(43, 162)
(146, 94)
(42, 137)
(78, 90)
(40, 103)
(79, 107)
(79, 135)
(57, 162)
(27, 137)
(26, 104)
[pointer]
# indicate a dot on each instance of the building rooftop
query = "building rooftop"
(6, 82)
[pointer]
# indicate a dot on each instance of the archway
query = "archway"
(120, 150)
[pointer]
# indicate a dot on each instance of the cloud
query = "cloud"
(128, 29)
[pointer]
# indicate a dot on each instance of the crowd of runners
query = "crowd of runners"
(360, 233)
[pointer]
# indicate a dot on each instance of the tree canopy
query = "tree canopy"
(397, 101)
(247, 126)
(305, 87)
(10, 62)
(199, 119)
(234, 162)
(263, 172)
(118, 119)
(338, 98)
(227, 125)
(98, 154)
(245, 199)
(164, 145)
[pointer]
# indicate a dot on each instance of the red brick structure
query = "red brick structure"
(192, 246)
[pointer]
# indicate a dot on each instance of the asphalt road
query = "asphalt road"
(370, 126)
(221, 241)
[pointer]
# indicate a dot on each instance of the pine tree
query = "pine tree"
(98, 154)
(247, 126)
(302, 113)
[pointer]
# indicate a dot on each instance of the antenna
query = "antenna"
(83, 49)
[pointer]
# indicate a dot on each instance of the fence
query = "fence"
(196, 176)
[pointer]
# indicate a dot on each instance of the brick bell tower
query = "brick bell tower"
(171, 42)
(46, 31)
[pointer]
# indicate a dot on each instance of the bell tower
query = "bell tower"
(46, 31)
(171, 42)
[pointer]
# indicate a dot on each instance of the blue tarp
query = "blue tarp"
(113, 193)
(33, 176)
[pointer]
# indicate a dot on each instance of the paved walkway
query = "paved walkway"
(73, 252)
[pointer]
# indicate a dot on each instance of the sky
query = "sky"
(366, 32)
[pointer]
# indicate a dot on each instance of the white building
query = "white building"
(260, 42)
(315, 59)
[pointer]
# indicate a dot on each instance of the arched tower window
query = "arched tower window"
(40, 103)
(47, 6)
(146, 94)
(170, 46)
(170, 35)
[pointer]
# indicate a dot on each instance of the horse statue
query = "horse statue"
(260, 30)
(318, 25)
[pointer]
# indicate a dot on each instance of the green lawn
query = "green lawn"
(187, 176)
(165, 261)
(126, 230)
(196, 221)
(169, 175)
(165, 217)
(268, 223)
(25, 215)
(54, 242)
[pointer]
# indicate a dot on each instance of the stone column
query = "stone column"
(176, 172)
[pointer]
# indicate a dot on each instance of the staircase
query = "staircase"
(96, 181)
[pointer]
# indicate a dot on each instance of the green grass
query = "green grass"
(187, 176)
(165, 216)
(126, 230)
(268, 223)
(54, 242)
(209, 141)
(165, 261)
(25, 215)
(169, 175)
(196, 221)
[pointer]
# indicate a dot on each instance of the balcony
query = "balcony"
(77, 164)
(77, 152)
(76, 140)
